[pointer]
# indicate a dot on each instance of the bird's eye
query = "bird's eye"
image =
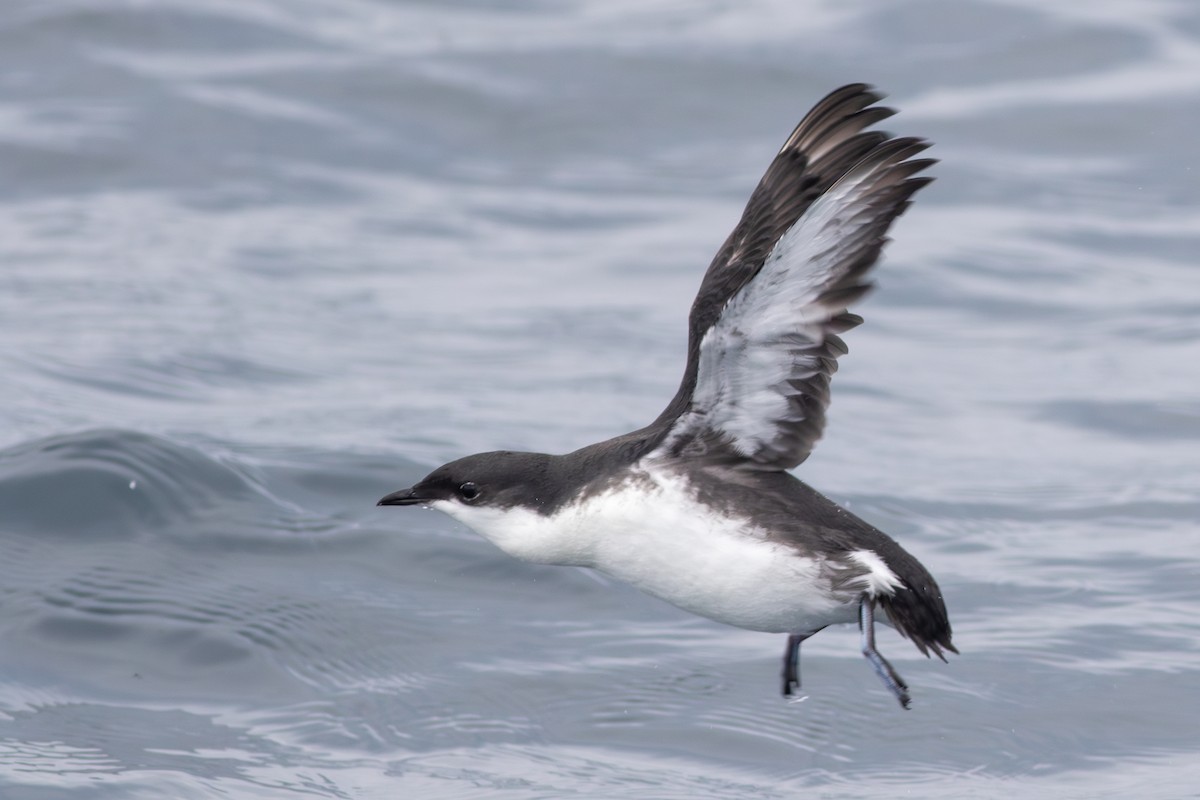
(468, 491)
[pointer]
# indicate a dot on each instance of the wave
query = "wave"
(113, 484)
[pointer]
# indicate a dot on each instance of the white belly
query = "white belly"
(724, 569)
(653, 534)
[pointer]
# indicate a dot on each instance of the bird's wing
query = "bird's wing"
(763, 331)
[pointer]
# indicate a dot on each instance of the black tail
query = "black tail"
(916, 609)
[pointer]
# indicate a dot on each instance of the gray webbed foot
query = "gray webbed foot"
(791, 663)
(887, 674)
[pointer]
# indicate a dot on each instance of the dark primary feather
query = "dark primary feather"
(786, 190)
(826, 150)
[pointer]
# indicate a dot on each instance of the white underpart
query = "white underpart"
(879, 580)
(756, 346)
(652, 533)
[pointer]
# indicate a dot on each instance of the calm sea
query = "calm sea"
(264, 261)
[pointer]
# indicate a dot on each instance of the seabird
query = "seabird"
(698, 508)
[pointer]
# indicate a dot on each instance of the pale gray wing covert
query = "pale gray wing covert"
(763, 333)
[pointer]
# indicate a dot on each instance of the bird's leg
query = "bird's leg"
(791, 662)
(866, 622)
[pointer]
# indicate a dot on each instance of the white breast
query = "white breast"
(651, 531)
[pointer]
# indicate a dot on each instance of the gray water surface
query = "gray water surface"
(262, 262)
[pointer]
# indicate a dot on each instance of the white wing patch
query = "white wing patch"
(879, 578)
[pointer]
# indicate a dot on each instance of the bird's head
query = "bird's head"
(506, 497)
(501, 479)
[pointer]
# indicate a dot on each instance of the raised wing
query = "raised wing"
(763, 340)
